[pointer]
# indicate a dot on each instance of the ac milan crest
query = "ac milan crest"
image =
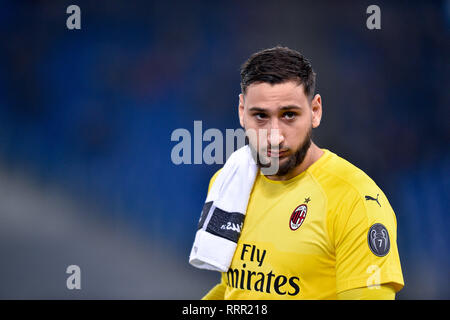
(298, 216)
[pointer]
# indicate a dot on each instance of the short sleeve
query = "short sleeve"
(216, 293)
(365, 239)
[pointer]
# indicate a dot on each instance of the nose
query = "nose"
(275, 137)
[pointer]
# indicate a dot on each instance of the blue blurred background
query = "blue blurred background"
(86, 117)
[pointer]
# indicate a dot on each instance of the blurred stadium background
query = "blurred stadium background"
(86, 117)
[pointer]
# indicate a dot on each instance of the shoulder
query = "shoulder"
(213, 178)
(353, 198)
(350, 191)
(340, 179)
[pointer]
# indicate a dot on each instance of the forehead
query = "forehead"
(266, 95)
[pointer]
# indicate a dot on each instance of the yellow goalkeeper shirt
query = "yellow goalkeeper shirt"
(325, 231)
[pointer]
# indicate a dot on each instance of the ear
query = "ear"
(316, 110)
(241, 110)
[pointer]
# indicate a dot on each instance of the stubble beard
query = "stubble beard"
(291, 163)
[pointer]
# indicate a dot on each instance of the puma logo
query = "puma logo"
(371, 198)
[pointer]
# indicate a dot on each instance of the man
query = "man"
(318, 228)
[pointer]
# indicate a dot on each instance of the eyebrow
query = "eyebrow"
(289, 107)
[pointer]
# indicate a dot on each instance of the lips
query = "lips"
(275, 154)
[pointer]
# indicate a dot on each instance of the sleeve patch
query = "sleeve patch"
(378, 239)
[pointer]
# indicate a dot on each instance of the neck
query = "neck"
(312, 155)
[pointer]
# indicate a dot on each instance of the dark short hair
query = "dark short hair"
(278, 65)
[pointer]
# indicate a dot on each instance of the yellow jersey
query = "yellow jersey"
(325, 231)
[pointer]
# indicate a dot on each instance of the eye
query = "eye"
(289, 115)
(260, 116)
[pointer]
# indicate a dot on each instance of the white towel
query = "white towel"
(223, 213)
